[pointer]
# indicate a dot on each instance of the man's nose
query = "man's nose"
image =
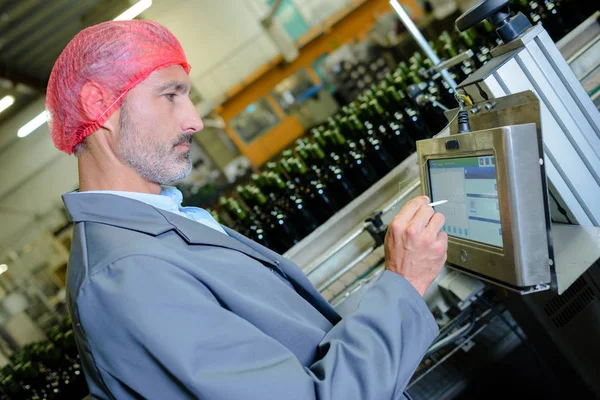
(192, 121)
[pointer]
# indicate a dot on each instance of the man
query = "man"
(166, 303)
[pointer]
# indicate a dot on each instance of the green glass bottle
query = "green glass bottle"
(303, 153)
(318, 137)
(396, 139)
(285, 194)
(467, 41)
(240, 221)
(285, 167)
(405, 114)
(414, 78)
(287, 153)
(435, 48)
(354, 107)
(401, 85)
(379, 123)
(274, 220)
(488, 33)
(388, 80)
(247, 226)
(444, 91)
(322, 203)
(352, 162)
(431, 110)
(344, 111)
(229, 220)
(403, 68)
(272, 166)
(244, 194)
(450, 50)
(372, 147)
(332, 174)
(445, 37)
(416, 60)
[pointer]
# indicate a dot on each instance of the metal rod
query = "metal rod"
(584, 49)
(347, 268)
(451, 62)
(356, 286)
(406, 192)
(420, 39)
(336, 250)
(440, 105)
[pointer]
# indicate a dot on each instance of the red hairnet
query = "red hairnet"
(116, 55)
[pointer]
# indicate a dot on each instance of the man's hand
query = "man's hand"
(414, 246)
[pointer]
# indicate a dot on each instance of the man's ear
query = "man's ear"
(94, 101)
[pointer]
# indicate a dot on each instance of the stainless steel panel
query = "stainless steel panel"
(524, 260)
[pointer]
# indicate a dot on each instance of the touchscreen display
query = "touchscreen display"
(469, 184)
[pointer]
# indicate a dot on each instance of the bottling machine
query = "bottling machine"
(519, 164)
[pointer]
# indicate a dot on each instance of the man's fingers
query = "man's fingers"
(443, 237)
(409, 210)
(421, 218)
(442, 242)
(435, 224)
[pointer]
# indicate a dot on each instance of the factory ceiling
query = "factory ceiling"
(32, 35)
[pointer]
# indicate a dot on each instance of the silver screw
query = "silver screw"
(489, 106)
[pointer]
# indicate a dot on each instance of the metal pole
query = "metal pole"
(420, 39)
(347, 268)
(336, 250)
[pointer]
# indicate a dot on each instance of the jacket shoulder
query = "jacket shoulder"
(96, 245)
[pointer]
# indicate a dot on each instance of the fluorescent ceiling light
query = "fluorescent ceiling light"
(3, 268)
(134, 10)
(6, 102)
(32, 125)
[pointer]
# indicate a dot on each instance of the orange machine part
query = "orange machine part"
(318, 41)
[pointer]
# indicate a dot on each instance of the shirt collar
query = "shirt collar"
(169, 199)
(173, 194)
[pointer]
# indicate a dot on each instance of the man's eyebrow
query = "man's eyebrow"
(177, 86)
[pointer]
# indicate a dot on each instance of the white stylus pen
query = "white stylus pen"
(437, 203)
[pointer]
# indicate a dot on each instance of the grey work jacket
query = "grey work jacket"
(166, 308)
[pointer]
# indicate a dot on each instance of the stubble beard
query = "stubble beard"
(156, 162)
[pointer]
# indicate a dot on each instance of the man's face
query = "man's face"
(157, 123)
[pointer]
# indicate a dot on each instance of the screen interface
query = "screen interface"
(469, 184)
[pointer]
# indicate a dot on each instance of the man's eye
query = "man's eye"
(171, 96)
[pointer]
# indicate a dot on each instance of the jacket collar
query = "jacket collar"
(122, 212)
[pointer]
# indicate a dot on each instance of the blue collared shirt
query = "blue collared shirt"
(170, 199)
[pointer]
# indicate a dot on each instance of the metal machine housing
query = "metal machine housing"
(524, 260)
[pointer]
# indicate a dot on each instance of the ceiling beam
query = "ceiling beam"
(15, 12)
(60, 12)
(17, 77)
